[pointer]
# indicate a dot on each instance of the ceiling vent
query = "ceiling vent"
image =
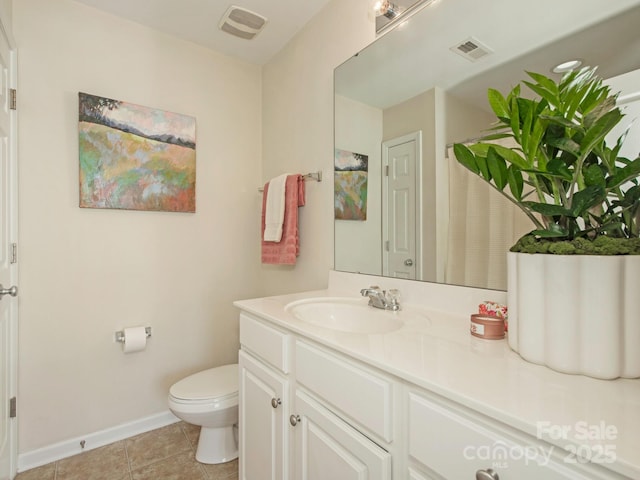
(472, 49)
(242, 23)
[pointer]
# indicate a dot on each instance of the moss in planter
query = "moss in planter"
(601, 245)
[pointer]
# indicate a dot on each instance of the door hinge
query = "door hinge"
(386, 245)
(386, 170)
(13, 99)
(14, 253)
(12, 407)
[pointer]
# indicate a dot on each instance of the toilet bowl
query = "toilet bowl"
(210, 399)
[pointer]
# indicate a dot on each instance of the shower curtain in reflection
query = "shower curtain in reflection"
(483, 225)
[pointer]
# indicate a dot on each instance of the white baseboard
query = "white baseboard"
(67, 448)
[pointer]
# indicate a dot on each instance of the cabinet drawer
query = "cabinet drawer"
(265, 341)
(360, 393)
(455, 445)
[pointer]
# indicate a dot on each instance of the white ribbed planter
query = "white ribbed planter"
(576, 313)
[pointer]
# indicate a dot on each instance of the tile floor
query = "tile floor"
(167, 453)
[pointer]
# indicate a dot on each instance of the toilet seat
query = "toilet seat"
(209, 399)
(215, 385)
(211, 403)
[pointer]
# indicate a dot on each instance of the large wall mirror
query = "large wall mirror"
(403, 100)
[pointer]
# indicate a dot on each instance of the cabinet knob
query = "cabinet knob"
(487, 474)
(275, 402)
(13, 291)
(294, 419)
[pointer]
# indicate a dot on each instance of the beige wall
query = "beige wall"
(6, 8)
(464, 121)
(87, 273)
(297, 122)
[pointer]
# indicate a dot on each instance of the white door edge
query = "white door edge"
(12, 224)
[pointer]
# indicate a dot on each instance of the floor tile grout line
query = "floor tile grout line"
(126, 453)
(203, 471)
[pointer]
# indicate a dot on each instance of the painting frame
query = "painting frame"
(351, 171)
(133, 157)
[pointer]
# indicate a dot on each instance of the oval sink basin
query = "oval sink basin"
(351, 315)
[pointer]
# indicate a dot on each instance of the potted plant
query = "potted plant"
(574, 280)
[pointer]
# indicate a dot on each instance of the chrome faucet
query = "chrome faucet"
(381, 298)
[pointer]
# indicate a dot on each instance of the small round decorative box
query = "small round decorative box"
(487, 326)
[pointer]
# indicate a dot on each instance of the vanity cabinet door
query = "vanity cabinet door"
(263, 420)
(328, 448)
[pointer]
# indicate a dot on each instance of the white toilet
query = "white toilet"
(210, 399)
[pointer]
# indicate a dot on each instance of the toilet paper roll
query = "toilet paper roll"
(135, 339)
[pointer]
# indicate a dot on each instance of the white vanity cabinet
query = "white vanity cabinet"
(302, 415)
(340, 408)
(313, 407)
(264, 401)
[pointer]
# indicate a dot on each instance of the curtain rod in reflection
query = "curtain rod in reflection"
(317, 176)
(470, 140)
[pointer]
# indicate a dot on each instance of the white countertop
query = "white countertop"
(486, 376)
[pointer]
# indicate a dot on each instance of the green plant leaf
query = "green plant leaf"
(599, 109)
(510, 156)
(549, 209)
(496, 136)
(545, 82)
(593, 175)
(515, 119)
(554, 231)
(526, 108)
(483, 167)
(566, 145)
(560, 169)
(622, 175)
(610, 227)
(498, 168)
(543, 92)
(585, 199)
(560, 120)
(516, 184)
(498, 103)
(630, 197)
(599, 130)
(466, 157)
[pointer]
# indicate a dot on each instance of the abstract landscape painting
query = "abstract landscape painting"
(134, 157)
(350, 185)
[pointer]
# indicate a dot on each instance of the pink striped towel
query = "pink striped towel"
(287, 249)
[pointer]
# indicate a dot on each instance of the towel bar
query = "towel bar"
(317, 176)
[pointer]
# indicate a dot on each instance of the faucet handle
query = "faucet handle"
(372, 289)
(392, 298)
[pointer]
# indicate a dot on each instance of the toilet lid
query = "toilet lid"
(213, 383)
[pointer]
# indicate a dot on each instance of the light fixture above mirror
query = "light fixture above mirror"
(389, 12)
(386, 8)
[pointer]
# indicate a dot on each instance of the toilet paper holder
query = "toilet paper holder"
(120, 334)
